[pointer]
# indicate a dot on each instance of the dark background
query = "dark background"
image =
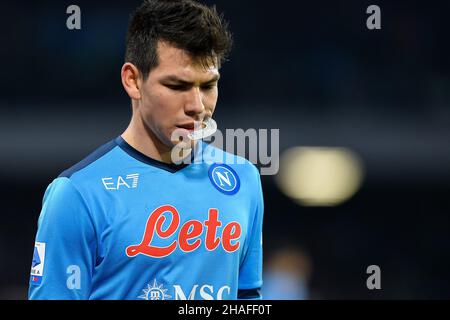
(311, 69)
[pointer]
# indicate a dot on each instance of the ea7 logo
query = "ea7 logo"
(130, 182)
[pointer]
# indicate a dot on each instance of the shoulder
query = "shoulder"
(86, 175)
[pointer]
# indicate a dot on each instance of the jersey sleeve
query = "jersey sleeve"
(250, 273)
(65, 248)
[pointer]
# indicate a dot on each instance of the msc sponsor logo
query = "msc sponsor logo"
(130, 182)
(204, 292)
(197, 292)
(154, 292)
(191, 235)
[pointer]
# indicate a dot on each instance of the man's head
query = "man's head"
(174, 50)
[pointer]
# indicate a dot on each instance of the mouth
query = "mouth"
(197, 130)
(191, 126)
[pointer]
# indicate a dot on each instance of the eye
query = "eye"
(209, 87)
(176, 87)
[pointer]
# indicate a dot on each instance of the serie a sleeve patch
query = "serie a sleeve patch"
(37, 267)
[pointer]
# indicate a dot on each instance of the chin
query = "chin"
(184, 144)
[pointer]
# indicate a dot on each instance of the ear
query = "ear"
(131, 80)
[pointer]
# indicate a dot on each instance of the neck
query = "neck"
(142, 138)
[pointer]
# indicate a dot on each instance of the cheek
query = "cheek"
(210, 100)
(158, 105)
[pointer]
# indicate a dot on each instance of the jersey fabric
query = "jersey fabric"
(120, 225)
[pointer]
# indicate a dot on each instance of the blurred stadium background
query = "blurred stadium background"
(370, 111)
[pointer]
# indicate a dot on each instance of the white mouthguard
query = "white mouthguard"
(210, 127)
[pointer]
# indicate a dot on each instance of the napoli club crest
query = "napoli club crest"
(224, 179)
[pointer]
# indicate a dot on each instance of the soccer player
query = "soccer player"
(129, 222)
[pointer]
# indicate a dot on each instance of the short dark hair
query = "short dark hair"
(185, 24)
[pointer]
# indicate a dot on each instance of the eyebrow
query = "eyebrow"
(173, 78)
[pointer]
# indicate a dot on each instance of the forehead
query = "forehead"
(178, 62)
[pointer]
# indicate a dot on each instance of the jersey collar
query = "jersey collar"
(170, 167)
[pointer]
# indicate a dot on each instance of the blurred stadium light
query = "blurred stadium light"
(318, 176)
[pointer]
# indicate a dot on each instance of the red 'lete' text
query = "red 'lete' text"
(190, 230)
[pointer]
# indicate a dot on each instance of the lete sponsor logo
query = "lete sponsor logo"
(188, 234)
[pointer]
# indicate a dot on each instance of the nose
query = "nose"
(194, 105)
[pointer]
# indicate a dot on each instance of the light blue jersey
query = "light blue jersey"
(120, 225)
